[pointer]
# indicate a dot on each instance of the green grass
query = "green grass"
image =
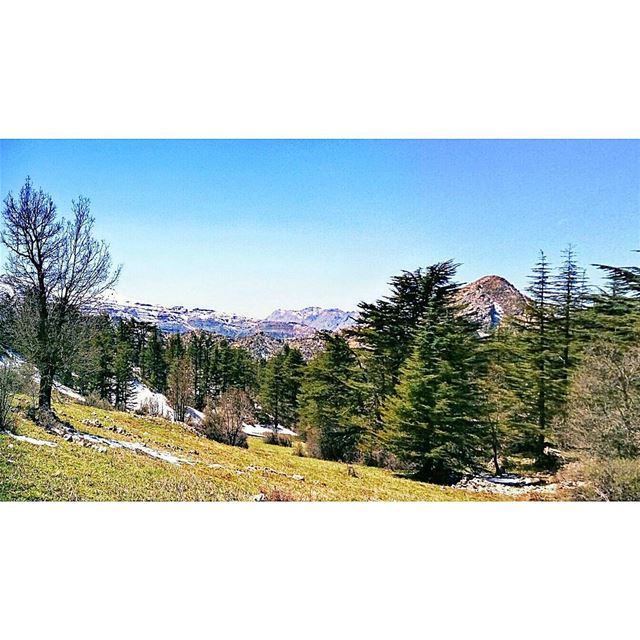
(73, 472)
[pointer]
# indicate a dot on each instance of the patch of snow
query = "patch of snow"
(14, 360)
(143, 395)
(134, 446)
(41, 443)
(67, 391)
(261, 430)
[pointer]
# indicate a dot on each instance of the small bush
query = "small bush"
(278, 439)
(7, 392)
(615, 479)
(150, 407)
(299, 449)
(94, 400)
(277, 494)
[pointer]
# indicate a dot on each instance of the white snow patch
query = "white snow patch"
(261, 430)
(142, 395)
(42, 443)
(134, 446)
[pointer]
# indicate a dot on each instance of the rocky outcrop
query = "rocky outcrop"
(491, 299)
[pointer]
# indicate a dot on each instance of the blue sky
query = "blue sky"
(247, 226)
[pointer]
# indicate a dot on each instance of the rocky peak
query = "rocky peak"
(492, 298)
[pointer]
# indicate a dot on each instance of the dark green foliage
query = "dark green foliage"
(504, 385)
(8, 385)
(280, 385)
(435, 422)
(614, 314)
(386, 328)
(541, 339)
(570, 295)
(332, 402)
(154, 365)
(123, 378)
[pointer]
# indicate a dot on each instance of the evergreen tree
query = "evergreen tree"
(569, 295)
(272, 388)
(123, 370)
(504, 386)
(154, 366)
(280, 386)
(103, 357)
(435, 421)
(614, 314)
(387, 327)
(541, 337)
(332, 405)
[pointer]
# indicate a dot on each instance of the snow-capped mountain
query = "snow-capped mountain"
(280, 324)
(316, 317)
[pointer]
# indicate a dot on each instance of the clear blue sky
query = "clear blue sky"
(250, 225)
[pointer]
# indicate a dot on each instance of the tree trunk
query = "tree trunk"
(46, 386)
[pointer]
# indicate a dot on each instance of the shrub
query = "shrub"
(94, 400)
(299, 449)
(603, 408)
(150, 407)
(277, 494)
(615, 479)
(7, 392)
(224, 421)
(278, 439)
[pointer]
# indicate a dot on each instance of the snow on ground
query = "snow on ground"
(66, 391)
(261, 430)
(132, 446)
(157, 403)
(43, 443)
(12, 359)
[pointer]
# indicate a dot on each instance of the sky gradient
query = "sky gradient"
(247, 226)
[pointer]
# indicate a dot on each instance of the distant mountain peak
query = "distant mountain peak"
(315, 317)
(492, 298)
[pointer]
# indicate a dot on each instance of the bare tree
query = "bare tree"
(603, 413)
(180, 382)
(56, 269)
(224, 421)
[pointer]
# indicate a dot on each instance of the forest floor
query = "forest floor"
(121, 456)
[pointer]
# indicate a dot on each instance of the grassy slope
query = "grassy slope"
(73, 472)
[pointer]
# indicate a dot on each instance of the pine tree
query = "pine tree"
(541, 337)
(272, 389)
(503, 386)
(569, 294)
(386, 328)
(104, 343)
(280, 386)
(123, 378)
(435, 420)
(332, 403)
(614, 314)
(154, 366)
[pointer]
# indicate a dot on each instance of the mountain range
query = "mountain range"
(489, 299)
(281, 324)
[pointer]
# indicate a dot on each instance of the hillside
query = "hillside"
(191, 468)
